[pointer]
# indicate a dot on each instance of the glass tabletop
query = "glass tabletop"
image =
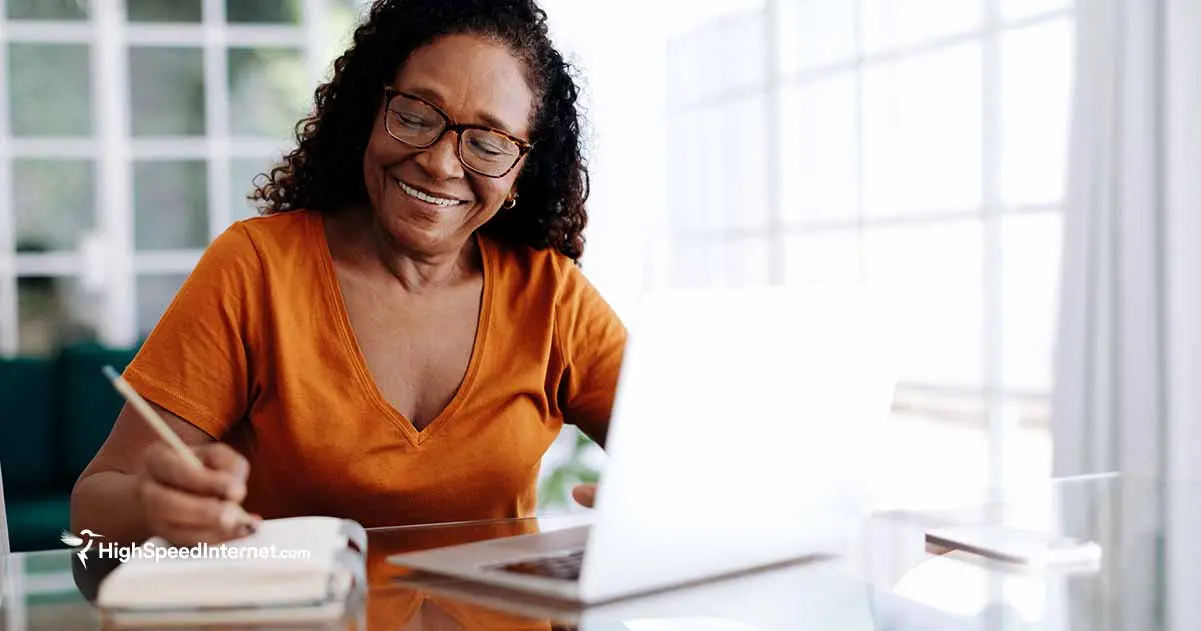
(893, 580)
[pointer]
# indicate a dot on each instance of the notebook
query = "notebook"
(291, 570)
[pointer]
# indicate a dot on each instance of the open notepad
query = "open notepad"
(293, 569)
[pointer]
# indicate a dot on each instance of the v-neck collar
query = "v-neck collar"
(358, 360)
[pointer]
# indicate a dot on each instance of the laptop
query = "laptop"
(793, 596)
(741, 438)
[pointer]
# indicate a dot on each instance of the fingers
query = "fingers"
(584, 494)
(186, 518)
(222, 457)
(187, 504)
(224, 473)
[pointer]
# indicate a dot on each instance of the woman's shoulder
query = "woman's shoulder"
(279, 230)
(546, 280)
(527, 268)
(249, 248)
(276, 237)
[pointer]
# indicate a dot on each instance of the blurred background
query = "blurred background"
(916, 143)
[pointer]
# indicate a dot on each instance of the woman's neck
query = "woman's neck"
(370, 246)
(419, 272)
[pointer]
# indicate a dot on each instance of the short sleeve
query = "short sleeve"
(197, 362)
(592, 340)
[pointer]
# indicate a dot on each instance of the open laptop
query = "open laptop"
(741, 437)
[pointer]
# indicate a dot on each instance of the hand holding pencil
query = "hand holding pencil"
(189, 494)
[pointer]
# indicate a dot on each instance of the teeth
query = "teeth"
(412, 192)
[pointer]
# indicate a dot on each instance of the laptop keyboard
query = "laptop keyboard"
(564, 566)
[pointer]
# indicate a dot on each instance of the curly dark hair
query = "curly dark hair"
(324, 171)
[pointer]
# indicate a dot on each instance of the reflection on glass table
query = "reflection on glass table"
(895, 581)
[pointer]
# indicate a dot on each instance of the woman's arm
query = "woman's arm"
(136, 487)
(591, 338)
(199, 362)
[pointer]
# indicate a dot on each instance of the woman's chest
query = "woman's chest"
(323, 418)
(351, 460)
(416, 351)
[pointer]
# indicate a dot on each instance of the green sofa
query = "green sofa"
(54, 414)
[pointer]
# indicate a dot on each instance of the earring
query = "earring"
(511, 202)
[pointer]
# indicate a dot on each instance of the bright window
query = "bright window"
(919, 143)
(130, 131)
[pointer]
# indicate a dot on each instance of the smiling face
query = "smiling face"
(425, 199)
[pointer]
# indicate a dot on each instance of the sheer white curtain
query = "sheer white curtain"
(1128, 373)
(1111, 347)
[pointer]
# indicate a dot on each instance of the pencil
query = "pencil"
(160, 427)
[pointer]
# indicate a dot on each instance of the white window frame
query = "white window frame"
(106, 260)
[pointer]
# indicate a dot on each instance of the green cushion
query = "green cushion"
(36, 523)
(27, 432)
(88, 404)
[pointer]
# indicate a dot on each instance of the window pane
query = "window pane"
(818, 151)
(51, 89)
(1031, 251)
(693, 144)
(822, 257)
(244, 175)
(937, 456)
(732, 53)
(259, 11)
(46, 9)
(889, 24)
(698, 169)
(922, 133)
(267, 91)
(155, 293)
(745, 262)
(938, 268)
(53, 312)
(745, 158)
(167, 86)
(815, 33)
(684, 71)
(159, 11)
(695, 263)
(1036, 70)
(1016, 9)
(170, 205)
(55, 203)
(1027, 457)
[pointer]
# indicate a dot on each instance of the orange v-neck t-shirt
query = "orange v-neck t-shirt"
(257, 350)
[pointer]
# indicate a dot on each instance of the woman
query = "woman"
(401, 336)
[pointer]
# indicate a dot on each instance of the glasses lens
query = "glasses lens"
(413, 122)
(488, 152)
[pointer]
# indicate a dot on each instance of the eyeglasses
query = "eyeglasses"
(420, 124)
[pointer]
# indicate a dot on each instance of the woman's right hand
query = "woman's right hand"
(186, 505)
